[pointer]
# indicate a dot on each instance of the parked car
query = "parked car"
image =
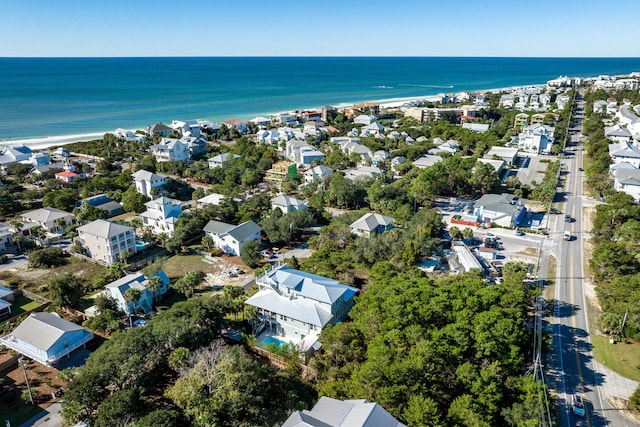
(520, 233)
(567, 218)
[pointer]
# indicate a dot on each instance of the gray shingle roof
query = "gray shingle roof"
(43, 330)
(218, 227)
(370, 221)
(46, 215)
(104, 229)
(244, 230)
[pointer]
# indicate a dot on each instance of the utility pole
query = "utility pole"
(24, 369)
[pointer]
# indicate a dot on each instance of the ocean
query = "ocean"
(64, 99)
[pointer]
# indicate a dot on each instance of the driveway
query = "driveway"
(15, 262)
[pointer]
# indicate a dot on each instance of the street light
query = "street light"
(24, 369)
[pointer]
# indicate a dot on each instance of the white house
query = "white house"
(231, 238)
(222, 159)
(505, 210)
(317, 172)
(623, 152)
(536, 138)
(260, 121)
(128, 135)
(46, 338)
(364, 119)
(297, 305)
(105, 241)
(14, 154)
(285, 118)
(162, 215)
(363, 173)
(160, 129)
(426, 161)
(288, 204)
(241, 125)
(371, 224)
(626, 179)
(211, 199)
(617, 133)
(186, 127)
(508, 154)
(268, 136)
(51, 219)
(330, 412)
(146, 181)
(171, 150)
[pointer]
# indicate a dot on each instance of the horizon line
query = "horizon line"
(318, 57)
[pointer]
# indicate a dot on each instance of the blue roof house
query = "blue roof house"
(118, 289)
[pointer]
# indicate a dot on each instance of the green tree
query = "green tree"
(455, 233)
(65, 290)
(132, 201)
(250, 253)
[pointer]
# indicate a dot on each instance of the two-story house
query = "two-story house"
(297, 305)
(162, 215)
(222, 159)
(146, 293)
(231, 238)
(371, 224)
(51, 219)
(171, 150)
(146, 181)
(105, 241)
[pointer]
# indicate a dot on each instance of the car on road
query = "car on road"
(520, 233)
(567, 218)
(567, 236)
(577, 405)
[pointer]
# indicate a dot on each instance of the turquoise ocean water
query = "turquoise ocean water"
(44, 97)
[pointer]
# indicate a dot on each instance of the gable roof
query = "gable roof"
(283, 200)
(144, 175)
(624, 149)
(46, 215)
(343, 413)
(504, 203)
(244, 230)
(43, 330)
(370, 221)
(104, 229)
(159, 127)
(307, 285)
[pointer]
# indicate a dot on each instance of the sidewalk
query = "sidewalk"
(50, 417)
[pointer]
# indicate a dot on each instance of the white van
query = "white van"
(567, 235)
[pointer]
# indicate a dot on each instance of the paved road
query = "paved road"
(573, 365)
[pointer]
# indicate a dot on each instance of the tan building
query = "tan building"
(521, 121)
(105, 241)
(280, 172)
(364, 108)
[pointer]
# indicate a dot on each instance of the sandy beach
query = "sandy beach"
(42, 143)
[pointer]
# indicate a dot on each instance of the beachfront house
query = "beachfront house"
(12, 154)
(231, 238)
(186, 128)
(105, 242)
(240, 125)
(162, 215)
(160, 129)
(371, 224)
(51, 219)
(171, 150)
(146, 181)
(46, 338)
(295, 305)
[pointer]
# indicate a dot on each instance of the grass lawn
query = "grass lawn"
(20, 417)
(23, 304)
(622, 358)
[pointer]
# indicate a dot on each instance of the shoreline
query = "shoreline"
(42, 143)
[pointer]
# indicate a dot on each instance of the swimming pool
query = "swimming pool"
(273, 341)
(141, 245)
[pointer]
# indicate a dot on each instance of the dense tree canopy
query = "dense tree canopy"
(452, 350)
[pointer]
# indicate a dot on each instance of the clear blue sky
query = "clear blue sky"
(321, 28)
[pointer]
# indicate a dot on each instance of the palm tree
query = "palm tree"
(153, 285)
(131, 295)
(38, 233)
(17, 226)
